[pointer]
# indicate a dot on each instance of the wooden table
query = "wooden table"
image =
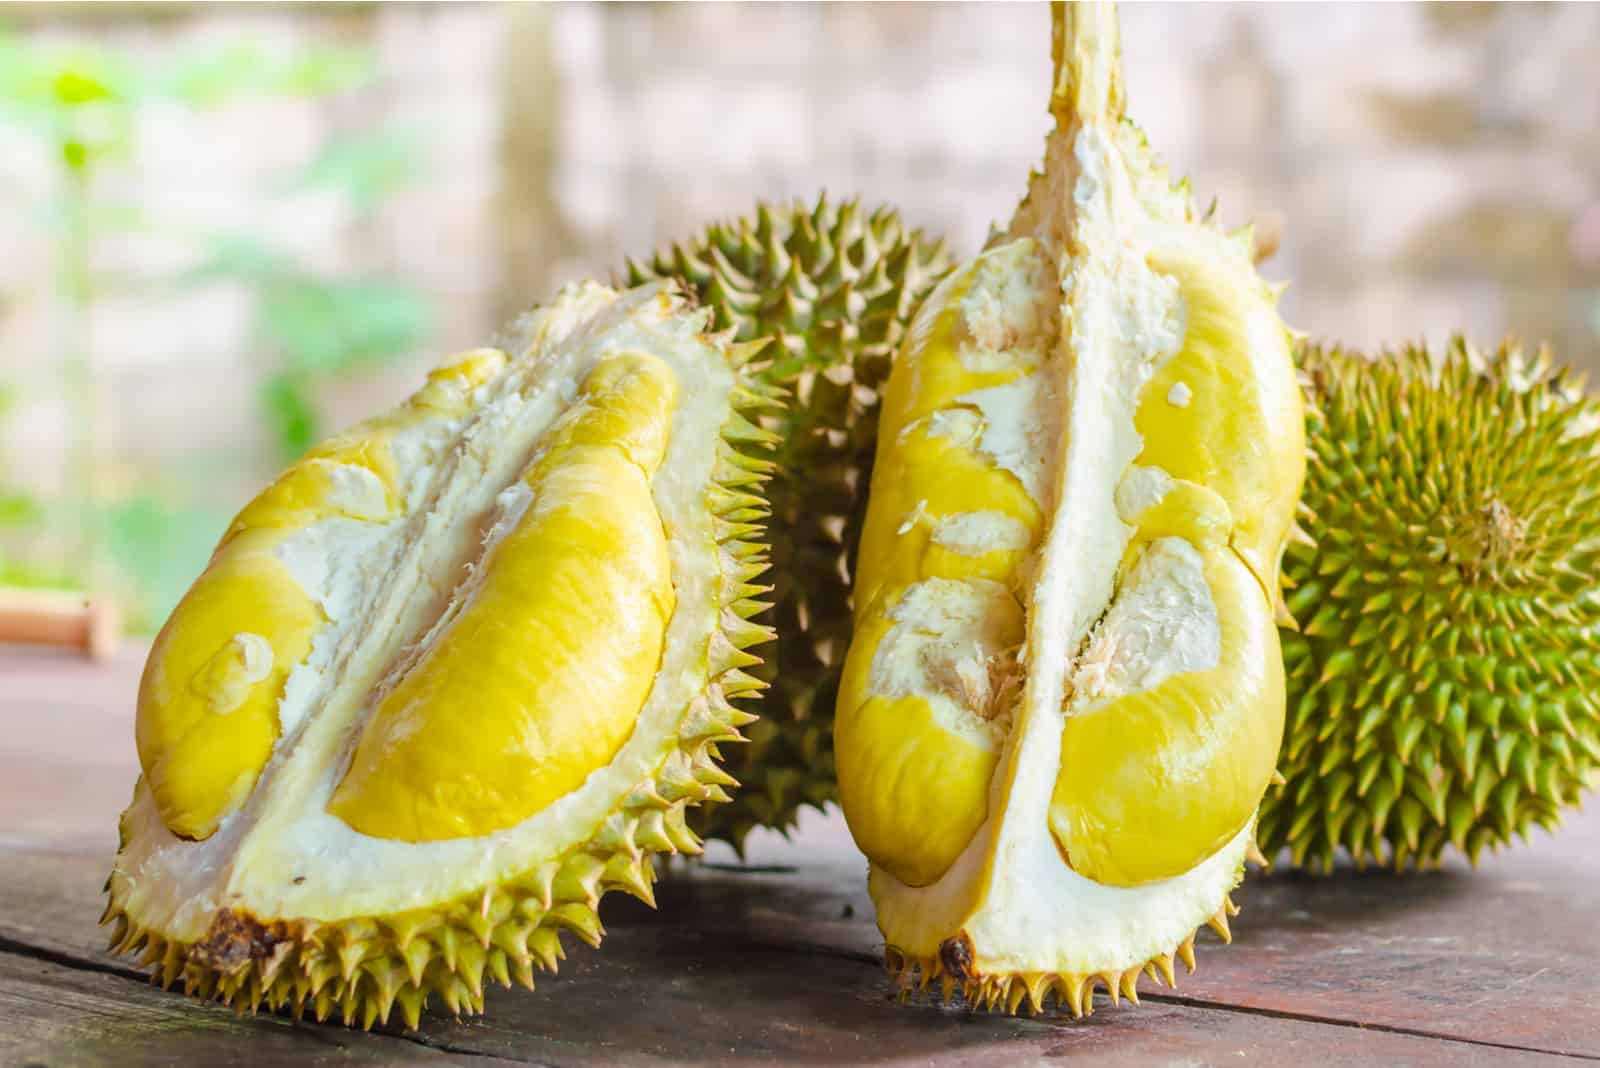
(777, 960)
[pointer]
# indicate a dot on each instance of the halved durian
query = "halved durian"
(455, 674)
(1064, 696)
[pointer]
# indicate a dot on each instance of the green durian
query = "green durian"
(1444, 682)
(834, 286)
(456, 673)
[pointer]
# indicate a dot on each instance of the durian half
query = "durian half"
(1064, 696)
(455, 674)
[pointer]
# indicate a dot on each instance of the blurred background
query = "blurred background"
(226, 231)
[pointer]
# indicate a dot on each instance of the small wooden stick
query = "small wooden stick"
(56, 617)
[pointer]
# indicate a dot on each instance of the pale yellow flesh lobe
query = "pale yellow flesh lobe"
(1075, 813)
(538, 681)
(1153, 783)
(207, 717)
(1241, 428)
(899, 766)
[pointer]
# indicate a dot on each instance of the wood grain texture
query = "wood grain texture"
(54, 1015)
(775, 959)
(1503, 954)
(68, 756)
(681, 986)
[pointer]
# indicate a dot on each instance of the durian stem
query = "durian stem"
(1086, 50)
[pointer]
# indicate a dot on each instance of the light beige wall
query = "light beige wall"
(1432, 167)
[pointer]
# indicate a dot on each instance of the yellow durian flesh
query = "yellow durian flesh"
(207, 714)
(1153, 782)
(538, 681)
(919, 751)
(528, 632)
(933, 476)
(1238, 429)
(1061, 801)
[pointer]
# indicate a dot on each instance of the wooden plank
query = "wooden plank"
(1496, 956)
(1502, 954)
(655, 995)
(52, 1015)
(748, 967)
(1505, 953)
(68, 758)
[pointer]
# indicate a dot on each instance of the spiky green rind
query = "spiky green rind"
(835, 287)
(1444, 685)
(364, 969)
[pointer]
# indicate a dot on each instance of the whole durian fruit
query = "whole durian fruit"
(454, 675)
(1064, 696)
(1444, 686)
(834, 287)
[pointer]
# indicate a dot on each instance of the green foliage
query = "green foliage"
(288, 405)
(320, 327)
(324, 328)
(158, 544)
(209, 78)
(366, 169)
(331, 326)
(20, 513)
(81, 104)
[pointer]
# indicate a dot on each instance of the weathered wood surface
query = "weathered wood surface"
(777, 960)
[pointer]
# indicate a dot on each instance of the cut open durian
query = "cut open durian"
(1064, 696)
(456, 673)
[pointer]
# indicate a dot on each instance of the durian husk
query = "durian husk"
(834, 286)
(1081, 32)
(363, 969)
(1442, 683)
(1035, 992)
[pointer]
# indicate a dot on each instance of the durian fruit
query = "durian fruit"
(1064, 696)
(1444, 687)
(457, 673)
(834, 287)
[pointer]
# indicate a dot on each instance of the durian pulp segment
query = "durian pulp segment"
(924, 702)
(390, 596)
(264, 617)
(534, 678)
(1077, 804)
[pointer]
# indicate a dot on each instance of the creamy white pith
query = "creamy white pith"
(976, 533)
(949, 646)
(1018, 424)
(945, 645)
(1089, 639)
(387, 586)
(1163, 622)
(341, 561)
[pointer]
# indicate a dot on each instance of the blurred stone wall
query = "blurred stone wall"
(1430, 167)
